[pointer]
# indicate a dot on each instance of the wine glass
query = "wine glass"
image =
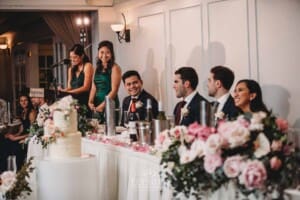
(125, 118)
(11, 163)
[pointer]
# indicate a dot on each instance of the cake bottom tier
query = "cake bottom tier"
(68, 146)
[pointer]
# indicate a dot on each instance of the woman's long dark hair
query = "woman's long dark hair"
(257, 103)
(78, 50)
(111, 62)
(19, 107)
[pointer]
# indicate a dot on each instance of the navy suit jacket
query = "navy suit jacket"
(144, 95)
(229, 109)
(193, 110)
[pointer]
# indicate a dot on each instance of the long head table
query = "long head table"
(124, 173)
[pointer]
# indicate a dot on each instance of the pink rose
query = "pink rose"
(211, 162)
(282, 125)
(275, 163)
(276, 145)
(232, 166)
(254, 175)
(202, 132)
(178, 131)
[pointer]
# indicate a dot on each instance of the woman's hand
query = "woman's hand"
(11, 137)
(92, 106)
(100, 108)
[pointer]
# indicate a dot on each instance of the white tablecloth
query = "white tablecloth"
(67, 179)
(128, 175)
(123, 173)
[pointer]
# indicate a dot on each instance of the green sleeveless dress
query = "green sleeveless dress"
(103, 87)
(77, 82)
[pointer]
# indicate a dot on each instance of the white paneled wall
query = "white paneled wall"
(258, 39)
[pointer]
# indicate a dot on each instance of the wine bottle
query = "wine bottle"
(161, 114)
(133, 115)
(149, 114)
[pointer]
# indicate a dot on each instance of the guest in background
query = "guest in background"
(37, 96)
(219, 83)
(187, 111)
(134, 86)
(248, 97)
(107, 78)
(27, 114)
(80, 75)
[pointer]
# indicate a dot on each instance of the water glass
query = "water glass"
(11, 163)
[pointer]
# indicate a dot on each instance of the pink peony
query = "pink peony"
(276, 145)
(234, 133)
(275, 163)
(202, 132)
(212, 162)
(232, 166)
(282, 125)
(213, 144)
(254, 175)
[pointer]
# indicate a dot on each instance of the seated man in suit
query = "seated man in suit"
(219, 83)
(187, 111)
(134, 86)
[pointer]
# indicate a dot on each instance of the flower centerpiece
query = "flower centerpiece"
(251, 152)
(14, 185)
(45, 119)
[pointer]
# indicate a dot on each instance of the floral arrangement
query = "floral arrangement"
(14, 185)
(251, 152)
(45, 119)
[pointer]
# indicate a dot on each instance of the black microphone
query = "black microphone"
(66, 61)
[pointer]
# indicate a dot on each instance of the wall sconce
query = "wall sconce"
(83, 23)
(3, 43)
(121, 30)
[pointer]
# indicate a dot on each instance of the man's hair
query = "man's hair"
(223, 74)
(188, 74)
(129, 74)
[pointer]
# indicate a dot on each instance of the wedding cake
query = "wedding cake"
(63, 130)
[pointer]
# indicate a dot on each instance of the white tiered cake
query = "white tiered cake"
(68, 140)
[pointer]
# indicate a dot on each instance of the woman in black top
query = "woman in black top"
(14, 141)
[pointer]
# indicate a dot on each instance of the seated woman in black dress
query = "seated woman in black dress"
(80, 75)
(13, 142)
(248, 97)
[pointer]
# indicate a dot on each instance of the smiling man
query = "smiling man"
(134, 86)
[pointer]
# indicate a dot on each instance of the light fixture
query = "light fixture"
(3, 43)
(121, 30)
(83, 23)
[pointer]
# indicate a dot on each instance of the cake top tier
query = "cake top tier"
(66, 104)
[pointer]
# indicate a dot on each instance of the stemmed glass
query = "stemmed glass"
(11, 163)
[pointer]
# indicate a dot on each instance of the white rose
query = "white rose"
(186, 155)
(256, 121)
(262, 146)
(8, 179)
(239, 136)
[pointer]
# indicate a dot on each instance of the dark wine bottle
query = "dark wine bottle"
(161, 114)
(133, 115)
(149, 114)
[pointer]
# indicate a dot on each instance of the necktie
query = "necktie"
(214, 106)
(178, 112)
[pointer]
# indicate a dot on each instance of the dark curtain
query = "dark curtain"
(6, 87)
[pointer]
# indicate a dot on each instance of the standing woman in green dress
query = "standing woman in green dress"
(80, 75)
(107, 78)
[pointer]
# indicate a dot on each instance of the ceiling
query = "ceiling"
(27, 26)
